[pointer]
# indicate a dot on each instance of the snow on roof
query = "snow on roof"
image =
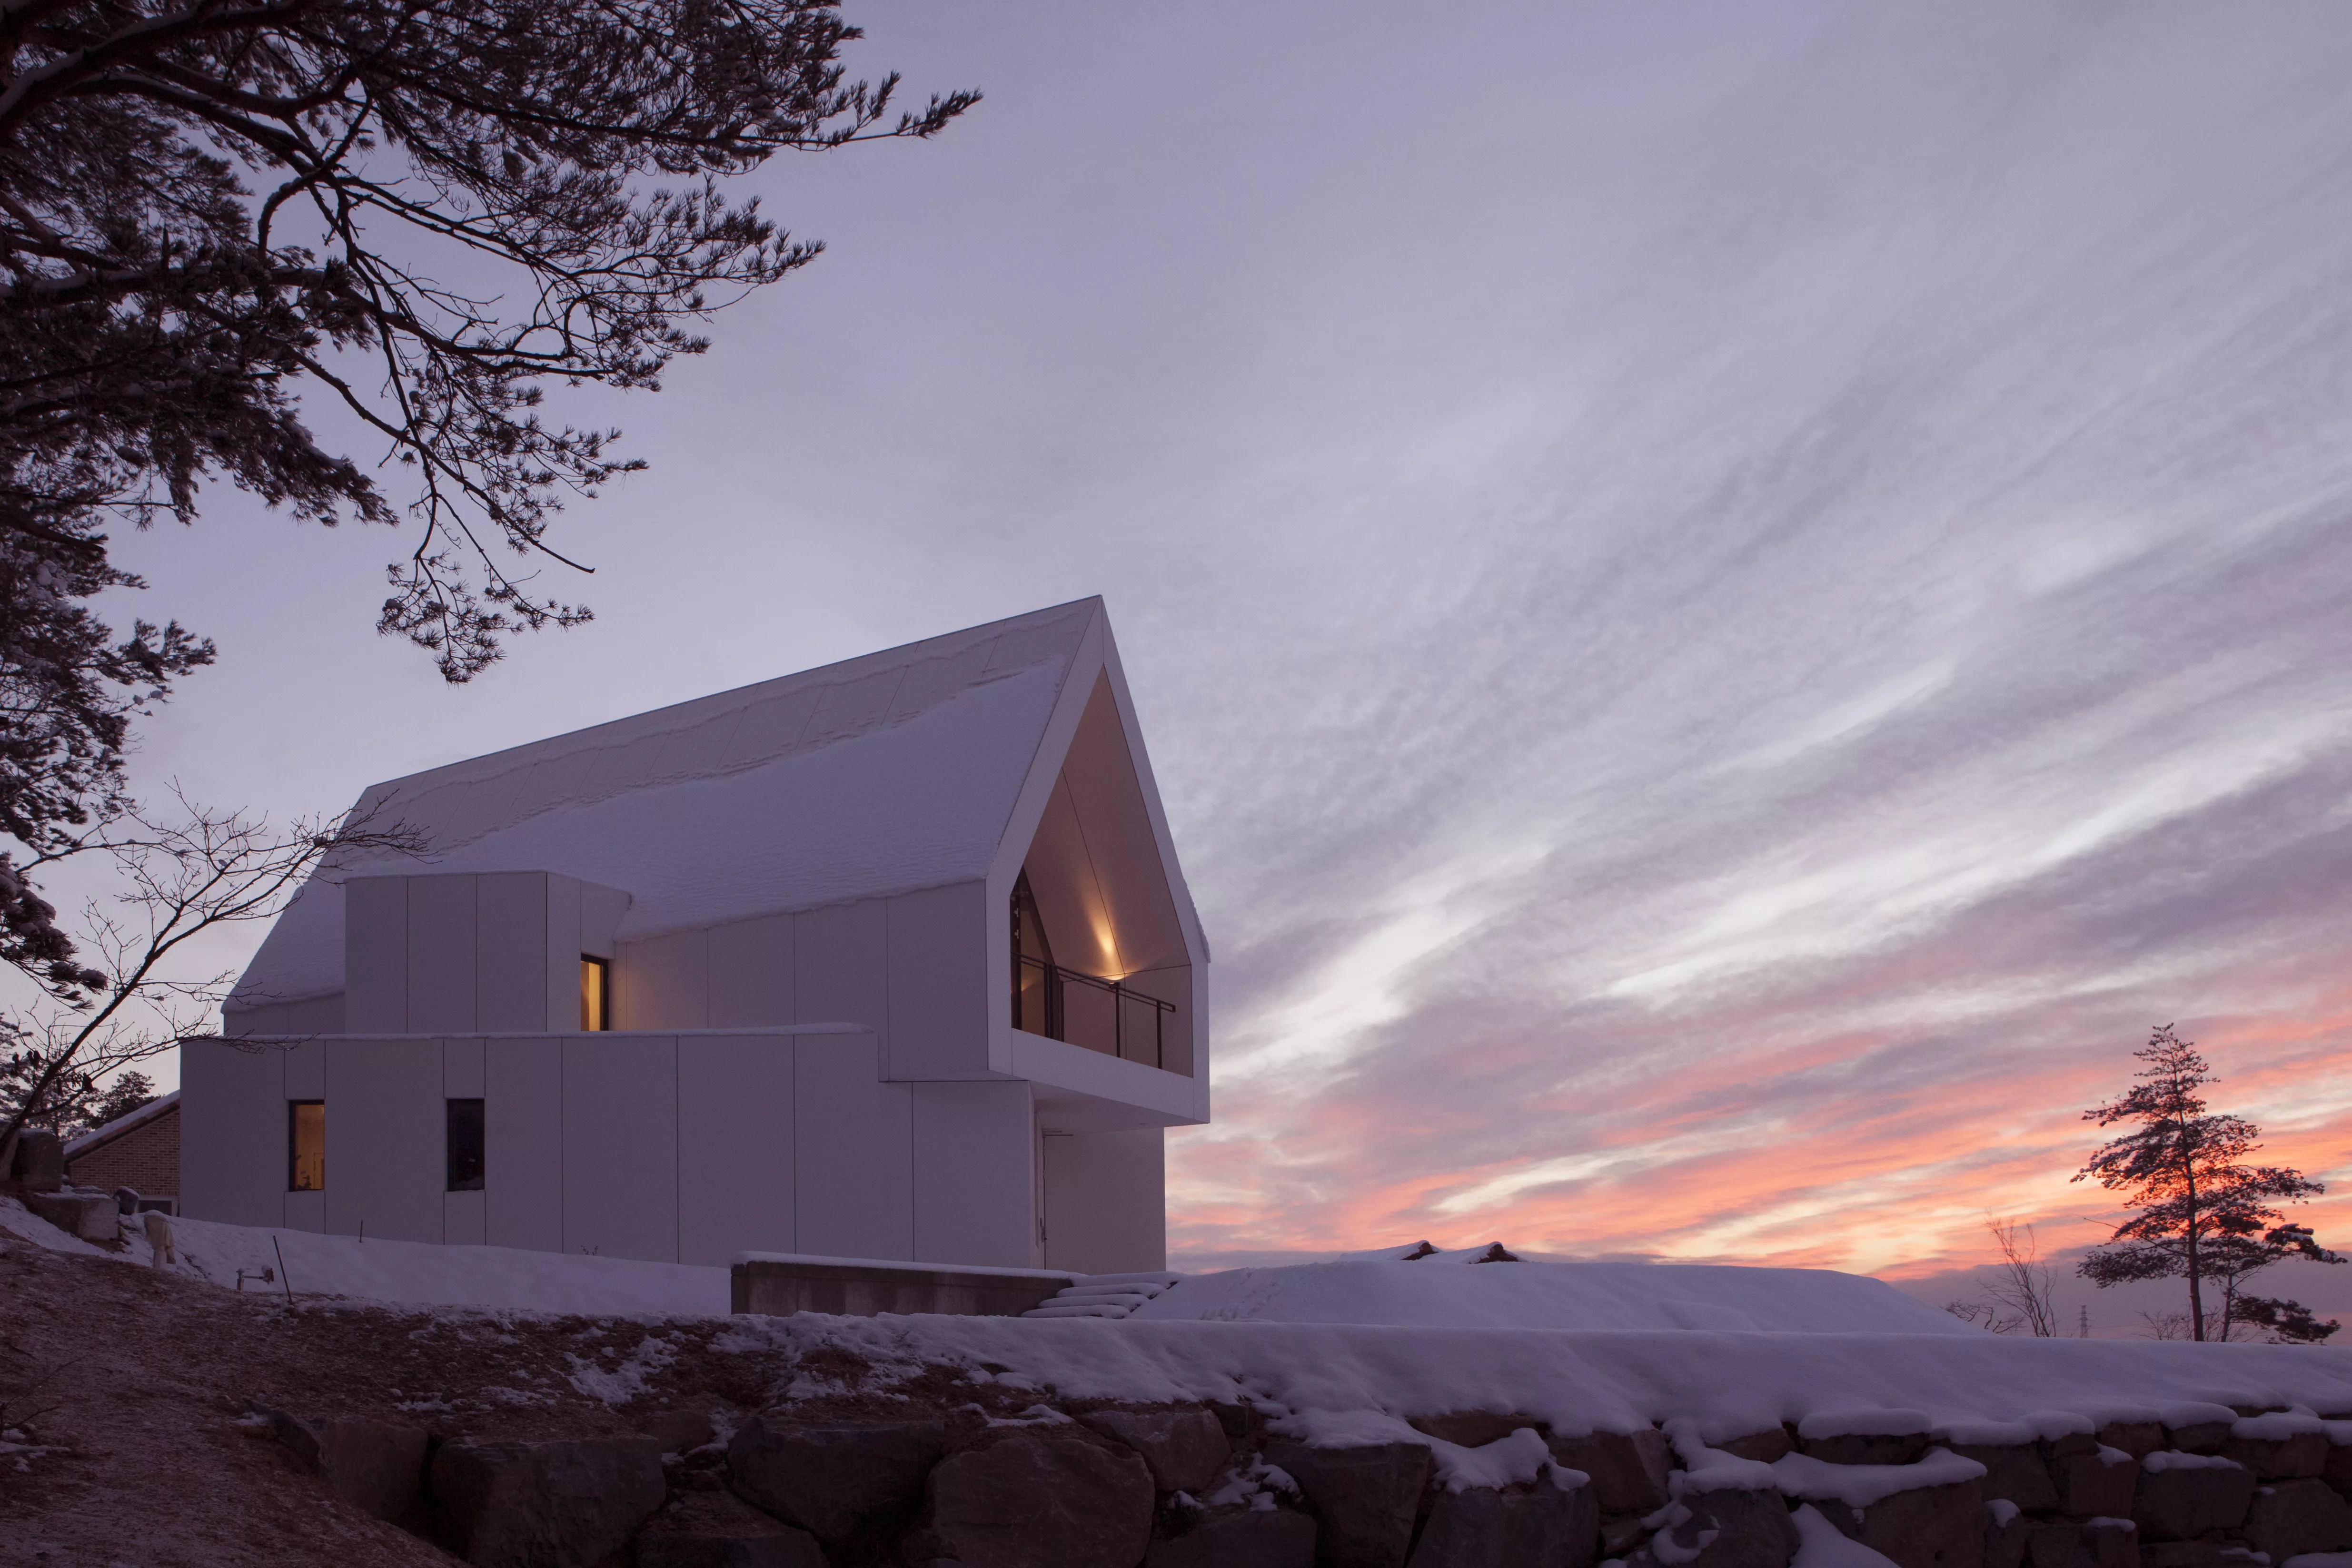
(99, 1136)
(876, 776)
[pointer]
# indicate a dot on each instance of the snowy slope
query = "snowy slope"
(414, 1272)
(1354, 1382)
(1567, 1296)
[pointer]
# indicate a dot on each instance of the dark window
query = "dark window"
(465, 1145)
(306, 1145)
(596, 994)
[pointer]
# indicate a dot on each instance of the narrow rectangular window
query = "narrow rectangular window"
(465, 1145)
(305, 1143)
(596, 994)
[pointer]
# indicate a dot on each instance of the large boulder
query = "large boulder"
(2006, 1530)
(1184, 1449)
(2137, 1439)
(2337, 1471)
(713, 1530)
(1925, 1527)
(39, 1162)
(2105, 1543)
(2297, 1517)
(1725, 1529)
(1628, 1469)
(2191, 1554)
(545, 1505)
(1033, 1501)
(831, 1479)
(1482, 1527)
(90, 1215)
(1365, 1498)
(2097, 1484)
(1242, 1538)
(2182, 1496)
(2280, 1457)
(2197, 1437)
(1764, 1447)
(2015, 1471)
(1865, 1437)
(376, 1466)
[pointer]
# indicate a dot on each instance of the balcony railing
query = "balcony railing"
(1087, 1011)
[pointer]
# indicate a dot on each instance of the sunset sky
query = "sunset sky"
(1730, 601)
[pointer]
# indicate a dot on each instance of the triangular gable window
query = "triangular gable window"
(1114, 974)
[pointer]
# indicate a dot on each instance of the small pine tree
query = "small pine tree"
(2205, 1215)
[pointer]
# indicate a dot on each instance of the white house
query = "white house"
(890, 960)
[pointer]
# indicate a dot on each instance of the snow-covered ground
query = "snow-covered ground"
(1354, 1383)
(1349, 1350)
(414, 1272)
(1437, 1291)
(1434, 1292)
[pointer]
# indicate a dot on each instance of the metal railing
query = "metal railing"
(1053, 983)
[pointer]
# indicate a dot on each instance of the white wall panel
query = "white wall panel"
(306, 1069)
(600, 909)
(735, 1149)
(320, 1015)
(461, 1068)
(751, 973)
(940, 982)
(442, 925)
(973, 1152)
(563, 951)
(232, 1133)
(308, 1210)
(510, 955)
(522, 1112)
(664, 983)
(840, 966)
(1107, 1201)
(464, 1219)
(375, 955)
(852, 1188)
(385, 1168)
(620, 1146)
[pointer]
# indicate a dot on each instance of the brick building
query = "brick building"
(140, 1150)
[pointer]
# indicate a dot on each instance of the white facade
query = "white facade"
(806, 894)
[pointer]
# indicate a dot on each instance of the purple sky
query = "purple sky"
(1730, 600)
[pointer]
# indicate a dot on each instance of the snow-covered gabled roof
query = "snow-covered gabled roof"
(876, 776)
(99, 1136)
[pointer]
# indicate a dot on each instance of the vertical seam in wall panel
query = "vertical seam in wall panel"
(677, 1148)
(563, 1156)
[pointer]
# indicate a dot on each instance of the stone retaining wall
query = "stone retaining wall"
(921, 1482)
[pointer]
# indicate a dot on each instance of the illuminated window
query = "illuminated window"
(306, 1142)
(596, 994)
(465, 1145)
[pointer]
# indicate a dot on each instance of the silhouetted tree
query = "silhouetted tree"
(2204, 1213)
(182, 876)
(425, 209)
(78, 1103)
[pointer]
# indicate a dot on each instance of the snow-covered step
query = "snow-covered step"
(1103, 1296)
